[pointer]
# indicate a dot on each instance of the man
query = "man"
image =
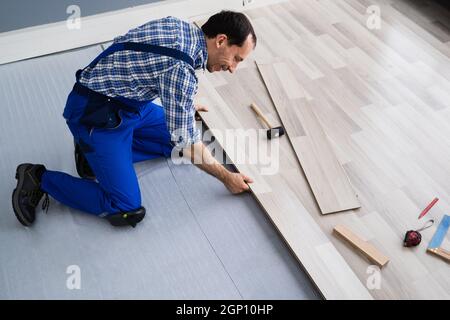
(115, 124)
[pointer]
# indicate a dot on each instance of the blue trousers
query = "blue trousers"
(111, 153)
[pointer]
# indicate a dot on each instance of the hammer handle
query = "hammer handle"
(260, 114)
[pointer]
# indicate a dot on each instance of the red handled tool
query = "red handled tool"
(425, 211)
(413, 237)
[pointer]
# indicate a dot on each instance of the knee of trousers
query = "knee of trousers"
(124, 203)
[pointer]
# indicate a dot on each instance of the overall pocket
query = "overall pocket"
(102, 113)
(75, 106)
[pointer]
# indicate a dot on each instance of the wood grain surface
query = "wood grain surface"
(382, 98)
(327, 178)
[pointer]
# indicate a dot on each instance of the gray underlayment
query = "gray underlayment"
(197, 242)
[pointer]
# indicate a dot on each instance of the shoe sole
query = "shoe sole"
(20, 177)
(118, 221)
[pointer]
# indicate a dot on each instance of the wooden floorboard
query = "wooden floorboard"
(382, 98)
(327, 178)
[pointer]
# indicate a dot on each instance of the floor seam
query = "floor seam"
(203, 232)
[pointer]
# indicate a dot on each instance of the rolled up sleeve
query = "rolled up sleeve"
(178, 87)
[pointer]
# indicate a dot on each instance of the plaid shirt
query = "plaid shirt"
(145, 76)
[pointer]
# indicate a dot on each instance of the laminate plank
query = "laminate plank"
(326, 177)
(435, 28)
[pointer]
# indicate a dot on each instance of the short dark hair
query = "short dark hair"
(235, 25)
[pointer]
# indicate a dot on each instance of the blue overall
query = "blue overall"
(113, 133)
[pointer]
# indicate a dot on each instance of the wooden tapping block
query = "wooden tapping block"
(367, 249)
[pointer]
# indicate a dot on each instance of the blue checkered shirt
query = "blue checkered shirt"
(145, 76)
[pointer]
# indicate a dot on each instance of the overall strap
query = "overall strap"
(141, 47)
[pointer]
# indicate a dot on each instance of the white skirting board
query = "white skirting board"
(55, 37)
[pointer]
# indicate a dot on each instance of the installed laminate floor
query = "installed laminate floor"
(382, 98)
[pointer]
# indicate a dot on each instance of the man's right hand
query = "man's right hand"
(237, 182)
(202, 158)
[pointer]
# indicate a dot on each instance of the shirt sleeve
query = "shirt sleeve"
(177, 88)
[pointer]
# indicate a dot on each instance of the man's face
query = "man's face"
(223, 57)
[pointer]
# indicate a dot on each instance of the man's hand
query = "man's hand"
(199, 108)
(237, 182)
(202, 158)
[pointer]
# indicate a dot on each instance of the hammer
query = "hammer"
(272, 132)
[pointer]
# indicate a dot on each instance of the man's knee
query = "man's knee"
(125, 210)
(130, 218)
(125, 202)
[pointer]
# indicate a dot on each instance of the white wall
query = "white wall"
(18, 14)
(55, 37)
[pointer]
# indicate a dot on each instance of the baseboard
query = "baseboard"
(56, 37)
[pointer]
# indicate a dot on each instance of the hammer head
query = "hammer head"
(275, 133)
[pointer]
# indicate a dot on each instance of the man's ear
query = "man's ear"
(221, 39)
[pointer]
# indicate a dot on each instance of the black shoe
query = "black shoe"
(131, 218)
(83, 168)
(28, 193)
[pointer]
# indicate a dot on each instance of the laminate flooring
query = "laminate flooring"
(382, 98)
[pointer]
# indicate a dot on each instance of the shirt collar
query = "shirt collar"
(201, 56)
